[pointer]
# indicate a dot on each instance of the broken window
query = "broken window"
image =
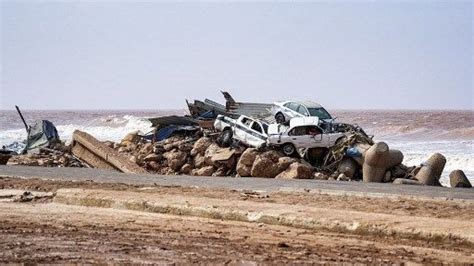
(256, 127)
(305, 130)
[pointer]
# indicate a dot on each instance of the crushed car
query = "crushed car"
(285, 111)
(243, 129)
(302, 133)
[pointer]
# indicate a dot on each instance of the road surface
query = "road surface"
(255, 184)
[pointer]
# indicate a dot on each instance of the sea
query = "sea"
(417, 133)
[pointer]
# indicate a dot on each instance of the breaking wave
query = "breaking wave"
(103, 128)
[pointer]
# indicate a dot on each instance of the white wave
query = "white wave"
(459, 155)
(109, 128)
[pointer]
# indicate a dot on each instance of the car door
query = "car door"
(287, 111)
(299, 138)
(240, 133)
(319, 139)
(256, 137)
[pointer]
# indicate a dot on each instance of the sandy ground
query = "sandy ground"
(47, 232)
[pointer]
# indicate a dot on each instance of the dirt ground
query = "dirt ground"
(46, 232)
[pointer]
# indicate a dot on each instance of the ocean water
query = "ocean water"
(416, 133)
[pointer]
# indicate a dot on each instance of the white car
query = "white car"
(243, 129)
(285, 111)
(303, 132)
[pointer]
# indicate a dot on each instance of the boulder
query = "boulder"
(210, 151)
(243, 170)
(264, 167)
(175, 159)
(186, 169)
(224, 156)
(221, 171)
(248, 157)
(348, 167)
(204, 171)
(431, 170)
(245, 162)
(131, 137)
(284, 162)
(200, 146)
(297, 171)
(199, 160)
(457, 178)
(152, 157)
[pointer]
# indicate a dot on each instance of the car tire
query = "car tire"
(288, 149)
(280, 118)
(226, 138)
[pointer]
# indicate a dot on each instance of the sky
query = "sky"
(154, 55)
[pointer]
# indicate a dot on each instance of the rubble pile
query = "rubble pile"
(234, 141)
(58, 155)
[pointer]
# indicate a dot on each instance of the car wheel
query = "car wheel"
(280, 118)
(226, 138)
(288, 149)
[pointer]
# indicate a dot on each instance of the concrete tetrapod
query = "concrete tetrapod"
(430, 171)
(457, 178)
(377, 160)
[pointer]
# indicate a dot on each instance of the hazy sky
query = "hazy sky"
(131, 55)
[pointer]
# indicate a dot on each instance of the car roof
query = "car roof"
(309, 104)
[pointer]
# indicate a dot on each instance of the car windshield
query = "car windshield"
(319, 112)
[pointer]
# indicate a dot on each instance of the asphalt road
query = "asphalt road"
(255, 184)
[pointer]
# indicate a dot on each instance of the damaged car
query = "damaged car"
(302, 133)
(243, 129)
(285, 111)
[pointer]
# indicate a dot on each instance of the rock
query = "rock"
(199, 161)
(264, 167)
(342, 177)
(147, 148)
(153, 166)
(403, 181)
(320, 176)
(204, 171)
(200, 146)
(243, 170)
(210, 151)
(175, 158)
(284, 162)
(248, 157)
(152, 157)
(245, 162)
(223, 156)
(457, 178)
(131, 137)
(221, 171)
(133, 159)
(376, 161)
(266, 164)
(430, 171)
(297, 171)
(348, 167)
(387, 177)
(186, 169)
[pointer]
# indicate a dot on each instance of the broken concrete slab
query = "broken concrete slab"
(99, 155)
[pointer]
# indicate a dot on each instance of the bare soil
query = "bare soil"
(46, 232)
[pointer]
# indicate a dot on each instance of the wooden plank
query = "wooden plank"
(104, 153)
